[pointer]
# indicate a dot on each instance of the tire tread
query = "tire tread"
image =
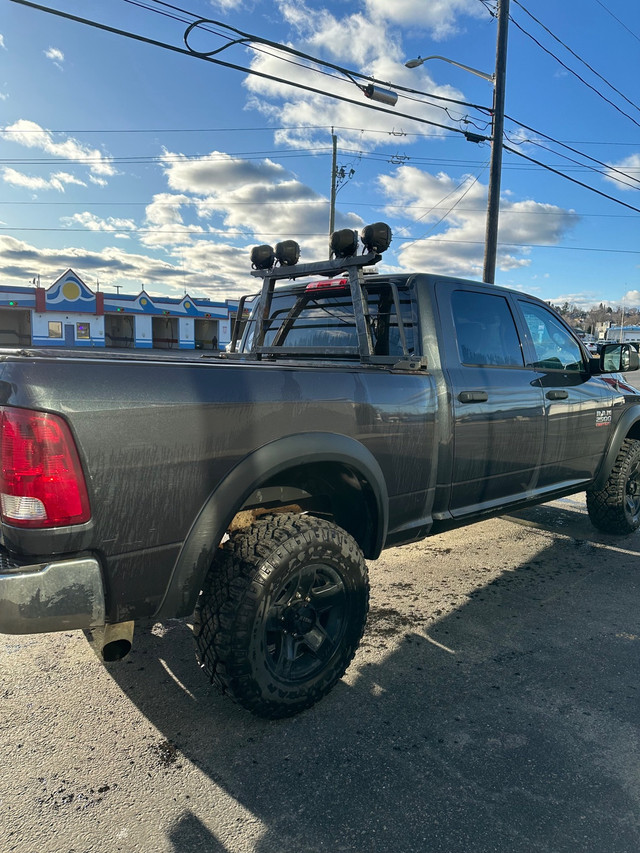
(225, 609)
(606, 506)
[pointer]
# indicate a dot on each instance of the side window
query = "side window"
(554, 346)
(485, 330)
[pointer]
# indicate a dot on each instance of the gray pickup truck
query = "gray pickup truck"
(355, 412)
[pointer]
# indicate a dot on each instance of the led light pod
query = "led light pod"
(287, 253)
(262, 257)
(376, 237)
(344, 243)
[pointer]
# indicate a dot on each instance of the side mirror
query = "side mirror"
(618, 358)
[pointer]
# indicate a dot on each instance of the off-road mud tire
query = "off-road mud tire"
(281, 613)
(616, 507)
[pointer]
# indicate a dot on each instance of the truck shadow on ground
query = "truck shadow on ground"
(508, 724)
(569, 518)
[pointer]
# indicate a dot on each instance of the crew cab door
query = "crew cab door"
(497, 404)
(578, 406)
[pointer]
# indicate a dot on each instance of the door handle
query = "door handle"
(557, 395)
(473, 396)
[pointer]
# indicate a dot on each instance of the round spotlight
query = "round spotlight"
(376, 237)
(344, 243)
(262, 257)
(287, 253)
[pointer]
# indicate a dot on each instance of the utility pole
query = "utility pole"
(497, 131)
(334, 178)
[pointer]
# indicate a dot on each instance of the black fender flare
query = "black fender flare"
(629, 418)
(230, 494)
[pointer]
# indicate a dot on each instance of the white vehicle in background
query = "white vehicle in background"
(624, 334)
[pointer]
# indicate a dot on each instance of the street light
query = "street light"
(415, 63)
(498, 79)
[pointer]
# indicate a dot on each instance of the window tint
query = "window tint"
(555, 348)
(485, 329)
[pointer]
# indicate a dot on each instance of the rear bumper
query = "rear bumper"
(53, 596)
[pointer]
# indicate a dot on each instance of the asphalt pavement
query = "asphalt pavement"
(493, 707)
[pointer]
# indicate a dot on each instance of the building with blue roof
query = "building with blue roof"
(70, 314)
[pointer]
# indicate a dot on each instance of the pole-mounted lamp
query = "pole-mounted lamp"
(415, 63)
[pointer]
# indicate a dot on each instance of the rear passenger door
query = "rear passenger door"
(497, 406)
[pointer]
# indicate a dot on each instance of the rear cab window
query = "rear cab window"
(318, 318)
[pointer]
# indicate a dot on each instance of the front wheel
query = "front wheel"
(616, 507)
(282, 612)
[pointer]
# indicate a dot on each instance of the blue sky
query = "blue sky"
(142, 167)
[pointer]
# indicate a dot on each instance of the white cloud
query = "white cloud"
(214, 270)
(631, 297)
(353, 41)
(227, 5)
(31, 135)
(56, 181)
(165, 209)
(439, 17)
(630, 177)
(2, 44)
(94, 223)
(253, 200)
(216, 172)
(449, 223)
(55, 55)
(583, 300)
(164, 224)
(354, 38)
(301, 110)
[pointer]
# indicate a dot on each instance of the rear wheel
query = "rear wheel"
(282, 612)
(616, 507)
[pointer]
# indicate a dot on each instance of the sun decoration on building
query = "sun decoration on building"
(143, 301)
(71, 291)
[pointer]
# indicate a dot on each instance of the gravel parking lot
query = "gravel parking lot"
(493, 706)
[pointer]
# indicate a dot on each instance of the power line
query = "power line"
(312, 202)
(271, 128)
(569, 148)
(369, 106)
(454, 206)
(573, 180)
(566, 67)
(279, 154)
(622, 24)
(577, 56)
(325, 202)
(248, 39)
(408, 239)
(252, 71)
(607, 174)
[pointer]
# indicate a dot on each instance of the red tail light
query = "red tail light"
(41, 480)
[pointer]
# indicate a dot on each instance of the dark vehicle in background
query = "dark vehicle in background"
(246, 489)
